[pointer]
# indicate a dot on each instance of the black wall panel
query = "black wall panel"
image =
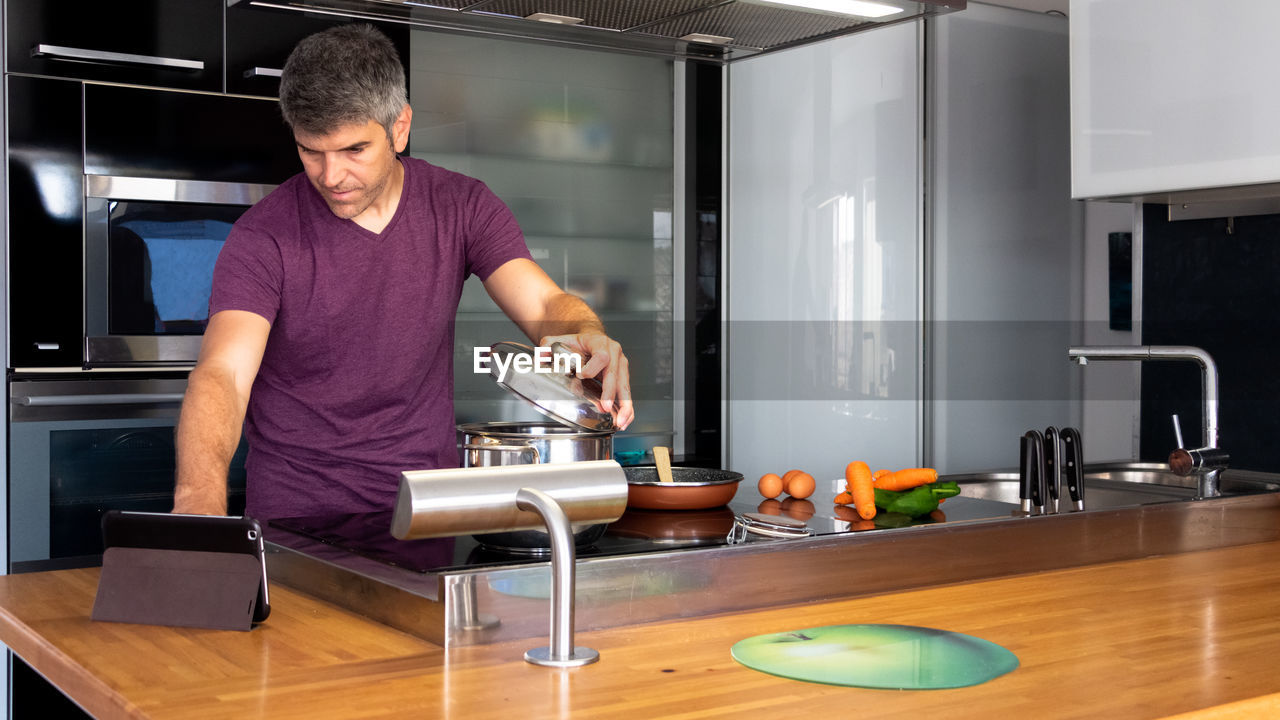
(1218, 290)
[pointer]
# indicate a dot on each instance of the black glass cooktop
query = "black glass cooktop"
(369, 535)
(637, 531)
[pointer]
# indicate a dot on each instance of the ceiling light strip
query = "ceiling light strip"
(854, 8)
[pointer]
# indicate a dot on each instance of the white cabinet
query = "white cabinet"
(1173, 95)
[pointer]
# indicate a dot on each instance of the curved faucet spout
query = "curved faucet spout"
(1208, 377)
(1208, 385)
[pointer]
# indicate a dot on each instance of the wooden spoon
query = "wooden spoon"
(662, 459)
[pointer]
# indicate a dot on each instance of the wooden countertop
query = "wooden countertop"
(1197, 632)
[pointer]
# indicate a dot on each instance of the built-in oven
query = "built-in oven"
(81, 446)
(150, 246)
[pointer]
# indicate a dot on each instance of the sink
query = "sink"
(1119, 484)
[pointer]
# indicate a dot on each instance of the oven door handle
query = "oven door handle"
(100, 399)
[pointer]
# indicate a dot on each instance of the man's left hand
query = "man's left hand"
(603, 355)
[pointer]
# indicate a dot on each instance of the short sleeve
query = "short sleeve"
(248, 275)
(493, 235)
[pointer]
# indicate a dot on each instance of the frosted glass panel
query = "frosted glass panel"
(579, 143)
(823, 252)
(1173, 96)
(1005, 243)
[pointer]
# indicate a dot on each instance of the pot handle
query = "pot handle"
(521, 449)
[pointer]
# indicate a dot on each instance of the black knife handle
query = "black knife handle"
(1052, 466)
(1073, 466)
(1031, 472)
(1026, 470)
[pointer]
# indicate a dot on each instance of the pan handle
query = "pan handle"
(519, 449)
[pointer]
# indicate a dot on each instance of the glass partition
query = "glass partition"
(824, 257)
(579, 143)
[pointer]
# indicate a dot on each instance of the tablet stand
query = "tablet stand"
(180, 588)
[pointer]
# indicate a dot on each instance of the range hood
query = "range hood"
(717, 30)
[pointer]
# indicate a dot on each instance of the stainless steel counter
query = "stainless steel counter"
(461, 605)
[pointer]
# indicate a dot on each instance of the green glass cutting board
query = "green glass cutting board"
(899, 657)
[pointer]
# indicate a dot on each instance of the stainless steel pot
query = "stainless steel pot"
(530, 443)
(521, 443)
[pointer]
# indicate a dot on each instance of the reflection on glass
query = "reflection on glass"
(579, 144)
(824, 339)
(160, 265)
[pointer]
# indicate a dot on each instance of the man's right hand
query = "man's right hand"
(214, 407)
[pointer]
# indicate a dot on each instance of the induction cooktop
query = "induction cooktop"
(637, 531)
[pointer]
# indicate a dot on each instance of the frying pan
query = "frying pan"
(690, 488)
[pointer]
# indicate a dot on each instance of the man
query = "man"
(330, 335)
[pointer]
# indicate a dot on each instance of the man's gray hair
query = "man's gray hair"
(349, 74)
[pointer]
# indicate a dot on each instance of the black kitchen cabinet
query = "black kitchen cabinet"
(166, 43)
(46, 211)
(182, 135)
(259, 41)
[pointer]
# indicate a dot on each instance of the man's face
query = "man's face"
(352, 166)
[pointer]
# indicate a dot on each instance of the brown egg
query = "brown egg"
(797, 508)
(786, 478)
(801, 485)
(769, 507)
(770, 485)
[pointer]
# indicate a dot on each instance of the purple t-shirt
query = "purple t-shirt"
(356, 383)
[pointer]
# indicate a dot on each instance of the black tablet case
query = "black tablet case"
(181, 570)
(183, 588)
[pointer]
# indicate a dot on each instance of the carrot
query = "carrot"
(858, 476)
(844, 498)
(907, 479)
(847, 514)
(880, 473)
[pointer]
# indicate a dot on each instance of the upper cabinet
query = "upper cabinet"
(259, 40)
(165, 43)
(1171, 99)
(168, 43)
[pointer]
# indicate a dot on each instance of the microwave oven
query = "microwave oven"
(149, 249)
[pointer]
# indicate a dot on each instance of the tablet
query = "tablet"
(199, 533)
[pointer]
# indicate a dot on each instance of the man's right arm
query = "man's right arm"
(214, 407)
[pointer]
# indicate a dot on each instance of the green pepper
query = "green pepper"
(916, 501)
(945, 489)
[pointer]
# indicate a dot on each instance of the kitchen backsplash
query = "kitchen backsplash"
(1212, 283)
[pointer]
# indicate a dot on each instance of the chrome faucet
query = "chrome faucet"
(1182, 461)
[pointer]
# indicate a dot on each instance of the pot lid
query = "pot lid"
(537, 378)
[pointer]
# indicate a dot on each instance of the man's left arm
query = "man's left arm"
(548, 314)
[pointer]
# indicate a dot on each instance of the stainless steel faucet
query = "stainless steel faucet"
(1208, 472)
